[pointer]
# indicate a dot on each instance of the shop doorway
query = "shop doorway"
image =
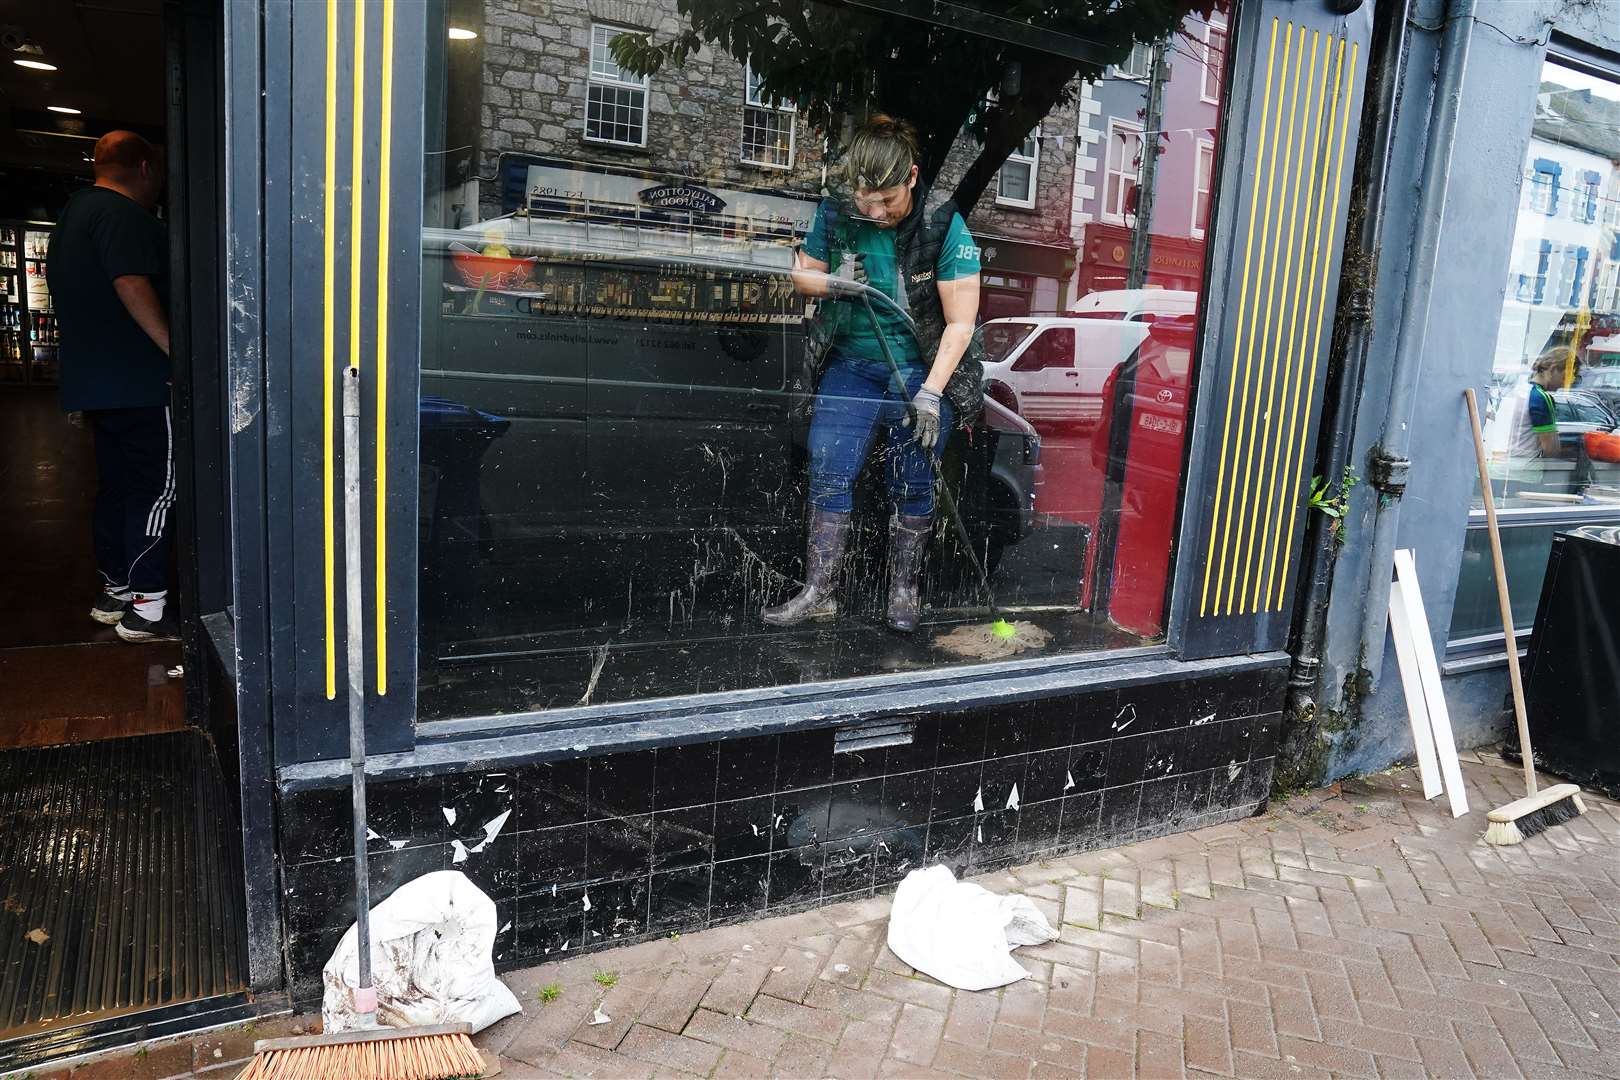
(120, 851)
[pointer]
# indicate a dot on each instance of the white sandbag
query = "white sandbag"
(431, 948)
(961, 934)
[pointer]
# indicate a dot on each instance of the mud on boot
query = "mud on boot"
(907, 540)
(824, 551)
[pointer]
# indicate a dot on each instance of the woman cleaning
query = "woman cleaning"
(881, 238)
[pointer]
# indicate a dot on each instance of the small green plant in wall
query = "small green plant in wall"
(1334, 501)
(549, 993)
(606, 979)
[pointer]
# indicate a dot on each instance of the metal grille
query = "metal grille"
(119, 880)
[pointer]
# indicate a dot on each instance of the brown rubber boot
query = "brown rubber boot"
(829, 533)
(906, 543)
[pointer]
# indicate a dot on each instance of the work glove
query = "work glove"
(924, 412)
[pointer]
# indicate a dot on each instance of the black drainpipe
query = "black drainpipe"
(1347, 361)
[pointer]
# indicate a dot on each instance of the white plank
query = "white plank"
(1445, 744)
(1417, 709)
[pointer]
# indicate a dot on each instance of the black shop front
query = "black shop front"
(558, 244)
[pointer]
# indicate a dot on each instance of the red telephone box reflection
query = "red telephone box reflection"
(1139, 446)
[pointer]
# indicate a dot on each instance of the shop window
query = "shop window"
(1214, 58)
(1123, 166)
(768, 126)
(1203, 179)
(1555, 379)
(1015, 183)
(624, 466)
(615, 99)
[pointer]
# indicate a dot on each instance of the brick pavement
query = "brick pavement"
(1355, 931)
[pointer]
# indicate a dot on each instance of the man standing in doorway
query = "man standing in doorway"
(107, 269)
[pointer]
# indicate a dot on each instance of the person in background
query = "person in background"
(926, 263)
(107, 267)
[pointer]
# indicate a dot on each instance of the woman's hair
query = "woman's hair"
(1551, 359)
(881, 154)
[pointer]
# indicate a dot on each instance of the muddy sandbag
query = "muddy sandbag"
(962, 934)
(432, 945)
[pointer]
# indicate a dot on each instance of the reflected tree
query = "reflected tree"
(989, 69)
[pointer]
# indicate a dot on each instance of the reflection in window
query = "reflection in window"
(1214, 55)
(619, 443)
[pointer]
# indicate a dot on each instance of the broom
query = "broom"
(441, 1052)
(1538, 810)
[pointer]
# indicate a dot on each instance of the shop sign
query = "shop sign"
(682, 197)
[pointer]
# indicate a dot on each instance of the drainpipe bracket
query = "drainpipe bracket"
(1388, 473)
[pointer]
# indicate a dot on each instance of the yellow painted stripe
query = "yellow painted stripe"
(357, 224)
(1296, 362)
(380, 374)
(1346, 87)
(1268, 268)
(1287, 359)
(329, 350)
(1243, 300)
(1265, 432)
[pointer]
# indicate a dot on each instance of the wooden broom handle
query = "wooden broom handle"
(1502, 599)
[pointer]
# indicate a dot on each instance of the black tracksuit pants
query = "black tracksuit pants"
(134, 496)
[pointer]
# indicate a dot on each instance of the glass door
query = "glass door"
(13, 312)
(43, 341)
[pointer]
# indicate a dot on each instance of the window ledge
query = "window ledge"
(1464, 665)
(561, 734)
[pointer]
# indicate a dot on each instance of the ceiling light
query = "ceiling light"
(36, 65)
(63, 109)
(459, 34)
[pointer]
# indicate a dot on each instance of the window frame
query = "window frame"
(1218, 68)
(1202, 195)
(592, 79)
(1034, 163)
(1127, 71)
(750, 101)
(1116, 126)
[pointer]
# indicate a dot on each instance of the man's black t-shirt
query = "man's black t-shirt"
(107, 361)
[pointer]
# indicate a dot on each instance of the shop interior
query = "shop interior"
(117, 835)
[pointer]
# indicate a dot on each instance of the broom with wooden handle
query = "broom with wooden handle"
(442, 1052)
(1538, 810)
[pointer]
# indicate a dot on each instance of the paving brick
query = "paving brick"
(1082, 903)
(1071, 989)
(661, 1048)
(979, 1062)
(859, 1004)
(917, 1034)
(971, 1018)
(1482, 1044)
(1160, 963)
(1023, 1004)
(802, 1057)
(734, 1033)
(1091, 1030)
(1255, 1067)
(1252, 1027)
(1159, 1057)
(1140, 1017)
(799, 968)
(1036, 1045)
(918, 991)
(1340, 1060)
(1110, 1063)
(736, 1065)
(1207, 1044)
(799, 1019)
(677, 1000)
(735, 986)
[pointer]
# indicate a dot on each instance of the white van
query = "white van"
(1136, 305)
(1051, 370)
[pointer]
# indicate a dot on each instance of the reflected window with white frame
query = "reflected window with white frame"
(1015, 183)
(768, 126)
(1137, 66)
(1203, 180)
(615, 99)
(1121, 169)
(1214, 59)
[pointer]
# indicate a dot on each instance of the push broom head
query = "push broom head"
(423, 1053)
(1523, 818)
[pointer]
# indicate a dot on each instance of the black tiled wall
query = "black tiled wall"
(599, 851)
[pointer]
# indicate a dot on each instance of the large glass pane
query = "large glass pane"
(689, 296)
(1554, 398)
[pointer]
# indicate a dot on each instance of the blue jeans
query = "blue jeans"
(854, 398)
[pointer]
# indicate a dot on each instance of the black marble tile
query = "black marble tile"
(847, 866)
(800, 818)
(547, 857)
(995, 832)
(1094, 717)
(551, 794)
(618, 847)
(747, 767)
(554, 901)
(618, 908)
(621, 784)
(1117, 819)
(920, 752)
(742, 828)
(906, 797)
(1158, 801)
(950, 841)
(856, 809)
(1088, 767)
(739, 888)
(1051, 723)
(1192, 792)
(1000, 777)
(1126, 760)
(390, 869)
(1164, 754)
(795, 876)
(544, 931)
(897, 853)
(505, 950)
(1226, 785)
(859, 764)
(680, 899)
(1045, 776)
(320, 894)
(317, 825)
(307, 954)
(955, 789)
(683, 837)
(805, 759)
(410, 810)
(686, 775)
(1007, 732)
(1257, 779)
(961, 738)
(1217, 742)
(1038, 826)
(1080, 825)
(1263, 740)
(489, 864)
(1150, 707)
(478, 803)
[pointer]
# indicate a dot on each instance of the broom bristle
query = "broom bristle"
(1516, 829)
(404, 1057)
